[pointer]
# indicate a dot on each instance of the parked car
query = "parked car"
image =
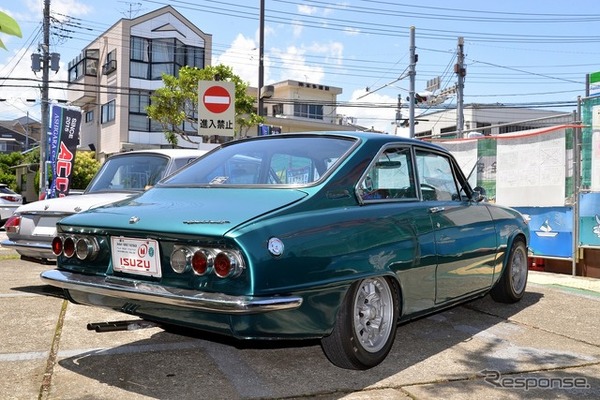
(338, 236)
(33, 226)
(9, 201)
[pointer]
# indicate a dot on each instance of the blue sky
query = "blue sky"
(523, 53)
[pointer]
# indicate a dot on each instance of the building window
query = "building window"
(108, 112)
(86, 64)
(449, 132)
(140, 57)
(89, 116)
(486, 132)
(424, 134)
(110, 65)
(138, 116)
(194, 56)
(313, 111)
(150, 58)
(277, 109)
(514, 128)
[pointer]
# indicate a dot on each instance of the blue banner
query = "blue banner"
(589, 219)
(551, 231)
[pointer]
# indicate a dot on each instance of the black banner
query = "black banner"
(64, 138)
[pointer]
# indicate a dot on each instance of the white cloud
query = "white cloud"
(242, 57)
(297, 28)
(351, 31)
(65, 7)
(333, 51)
(376, 111)
(306, 10)
(23, 86)
(294, 66)
(71, 8)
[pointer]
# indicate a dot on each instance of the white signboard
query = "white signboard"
(531, 170)
(216, 108)
(595, 183)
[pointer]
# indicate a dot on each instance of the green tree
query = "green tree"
(84, 169)
(7, 173)
(177, 101)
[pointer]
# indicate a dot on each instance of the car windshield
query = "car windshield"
(280, 160)
(131, 173)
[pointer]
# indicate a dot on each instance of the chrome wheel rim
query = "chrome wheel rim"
(373, 314)
(518, 270)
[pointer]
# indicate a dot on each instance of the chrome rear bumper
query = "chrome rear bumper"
(128, 289)
(30, 249)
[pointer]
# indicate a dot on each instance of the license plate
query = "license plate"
(136, 256)
(46, 226)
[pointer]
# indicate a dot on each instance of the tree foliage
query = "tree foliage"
(84, 169)
(7, 174)
(177, 101)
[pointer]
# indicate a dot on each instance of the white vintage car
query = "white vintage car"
(32, 227)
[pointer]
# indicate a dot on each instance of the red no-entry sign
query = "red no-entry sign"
(216, 108)
(217, 99)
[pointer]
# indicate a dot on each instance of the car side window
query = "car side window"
(436, 177)
(389, 177)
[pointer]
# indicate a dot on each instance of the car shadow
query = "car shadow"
(453, 345)
(43, 290)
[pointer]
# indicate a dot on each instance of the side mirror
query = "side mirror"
(479, 194)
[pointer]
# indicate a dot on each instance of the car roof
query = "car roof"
(172, 153)
(371, 137)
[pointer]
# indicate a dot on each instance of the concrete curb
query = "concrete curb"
(575, 282)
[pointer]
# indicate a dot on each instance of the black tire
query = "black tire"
(365, 326)
(510, 288)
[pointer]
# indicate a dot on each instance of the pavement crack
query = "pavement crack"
(51, 362)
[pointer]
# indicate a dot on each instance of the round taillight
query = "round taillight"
(227, 265)
(84, 248)
(57, 245)
(180, 260)
(69, 247)
(201, 262)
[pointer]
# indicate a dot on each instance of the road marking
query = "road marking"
(28, 356)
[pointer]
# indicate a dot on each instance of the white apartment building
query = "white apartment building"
(295, 106)
(113, 77)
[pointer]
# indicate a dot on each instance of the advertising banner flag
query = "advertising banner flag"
(65, 123)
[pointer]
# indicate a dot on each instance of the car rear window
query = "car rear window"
(286, 161)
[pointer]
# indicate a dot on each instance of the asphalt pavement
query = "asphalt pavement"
(546, 346)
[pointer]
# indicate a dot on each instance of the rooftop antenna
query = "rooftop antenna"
(134, 8)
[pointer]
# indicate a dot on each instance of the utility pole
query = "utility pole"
(261, 54)
(44, 94)
(461, 71)
(412, 72)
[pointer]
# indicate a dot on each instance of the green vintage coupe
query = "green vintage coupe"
(338, 236)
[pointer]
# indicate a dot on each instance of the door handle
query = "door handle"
(434, 210)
